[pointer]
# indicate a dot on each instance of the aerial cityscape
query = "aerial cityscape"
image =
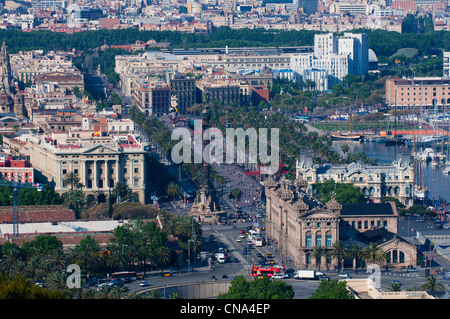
(198, 150)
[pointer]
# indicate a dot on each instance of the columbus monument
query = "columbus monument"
(206, 208)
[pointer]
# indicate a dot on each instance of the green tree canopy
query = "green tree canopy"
(346, 193)
(261, 288)
(333, 289)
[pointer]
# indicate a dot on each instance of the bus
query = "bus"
(124, 275)
(267, 271)
(257, 241)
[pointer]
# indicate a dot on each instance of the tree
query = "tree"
(339, 251)
(72, 179)
(262, 288)
(318, 253)
(236, 193)
(355, 252)
(18, 287)
(373, 254)
(173, 190)
(333, 289)
(432, 284)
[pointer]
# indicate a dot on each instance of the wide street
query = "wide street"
(225, 237)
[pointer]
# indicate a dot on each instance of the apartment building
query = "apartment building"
(184, 89)
(151, 96)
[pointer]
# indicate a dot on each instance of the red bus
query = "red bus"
(124, 275)
(267, 271)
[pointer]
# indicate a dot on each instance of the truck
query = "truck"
(221, 257)
(306, 274)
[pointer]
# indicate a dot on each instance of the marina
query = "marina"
(435, 177)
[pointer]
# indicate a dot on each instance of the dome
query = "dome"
(372, 56)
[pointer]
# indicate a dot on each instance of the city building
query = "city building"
(374, 181)
(152, 96)
(99, 161)
(334, 57)
(14, 170)
(184, 89)
(446, 65)
(417, 92)
(298, 224)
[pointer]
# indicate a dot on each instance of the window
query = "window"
(329, 240)
(318, 240)
(308, 239)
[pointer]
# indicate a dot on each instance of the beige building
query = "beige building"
(99, 161)
(374, 181)
(298, 224)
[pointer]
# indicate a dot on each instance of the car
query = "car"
(245, 252)
(239, 239)
(270, 262)
(269, 256)
(279, 276)
(242, 235)
(411, 269)
(324, 278)
(344, 276)
(242, 231)
(144, 283)
(319, 273)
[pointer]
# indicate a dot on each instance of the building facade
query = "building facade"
(374, 181)
(418, 92)
(99, 162)
(152, 97)
(299, 224)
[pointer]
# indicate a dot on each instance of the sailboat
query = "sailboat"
(420, 188)
(346, 135)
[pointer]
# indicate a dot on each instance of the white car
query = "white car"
(144, 283)
(344, 276)
(279, 276)
(319, 273)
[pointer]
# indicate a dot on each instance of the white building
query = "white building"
(446, 65)
(335, 56)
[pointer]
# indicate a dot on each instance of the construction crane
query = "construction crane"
(15, 186)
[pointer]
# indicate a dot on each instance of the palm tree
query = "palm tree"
(72, 179)
(432, 284)
(374, 254)
(355, 252)
(319, 252)
(395, 286)
(339, 251)
(173, 190)
(154, 294)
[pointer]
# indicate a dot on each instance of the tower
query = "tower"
(5, 70)
(206, 207)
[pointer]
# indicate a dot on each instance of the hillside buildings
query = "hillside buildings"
(299, 223)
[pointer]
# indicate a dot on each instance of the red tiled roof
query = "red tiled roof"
(42, 213)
